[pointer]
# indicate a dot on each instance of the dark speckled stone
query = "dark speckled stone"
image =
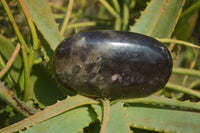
(112, 64)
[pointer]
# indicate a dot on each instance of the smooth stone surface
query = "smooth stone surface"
(112, 64)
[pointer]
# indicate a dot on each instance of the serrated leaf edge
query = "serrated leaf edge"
(161, 101)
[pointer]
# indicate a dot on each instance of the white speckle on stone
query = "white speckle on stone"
(81, 42)
(163, 49)
(115, 77)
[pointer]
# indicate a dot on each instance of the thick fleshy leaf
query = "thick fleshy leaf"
(188, 19)
(7, 96)
(6, 50)
(163, 119)
(50, 112)
(117, 122)
(42, 16)
(39, 87)
(159, 18)
(161, 100)
(71, 121)
(98, 110)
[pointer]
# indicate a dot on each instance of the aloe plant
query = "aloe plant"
(31, 93)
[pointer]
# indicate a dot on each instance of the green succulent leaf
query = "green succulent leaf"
(117, 122)
(42, 16)
(163, 119)
(53, 111)
(117, 119)
(72, 121)
(159, 18)
(161, 100)
(6, 50)
(187, 21)
(14, 102)
(98, 110)
(40, 87)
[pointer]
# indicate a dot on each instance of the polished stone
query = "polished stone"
(112, 64)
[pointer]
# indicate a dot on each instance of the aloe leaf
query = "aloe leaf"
(118, 122)
(72, 121)
(163, 119)
(159, 18)
(185, 26)
(6, 50)
(188, 20)
(39, 87)
(19, 106)
(161, 100)
(50, 112)
(42, 16)
(106, 115)
(98, 110)
(183, 89)
(186, 71)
